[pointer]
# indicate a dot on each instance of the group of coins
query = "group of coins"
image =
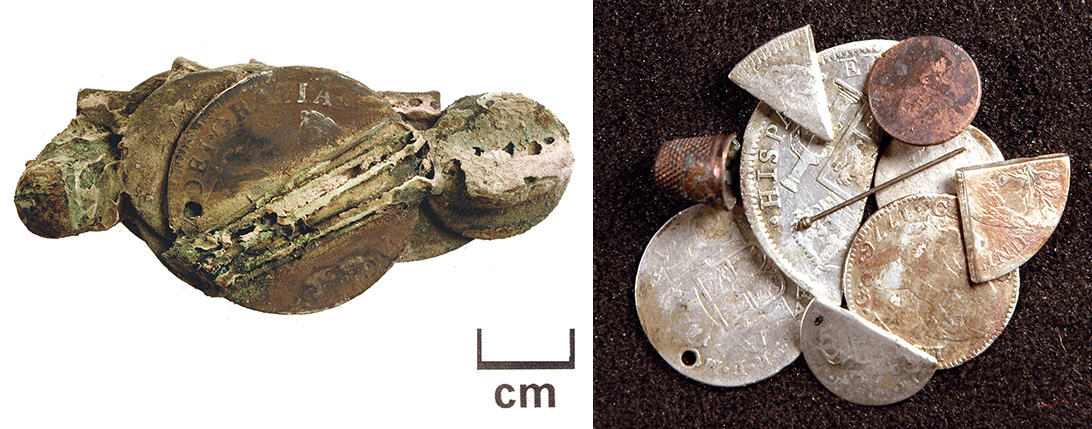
(294, 189)
(729, 293)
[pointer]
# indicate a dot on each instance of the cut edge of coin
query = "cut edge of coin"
(785, 74)
(887, 348)
(998, 238)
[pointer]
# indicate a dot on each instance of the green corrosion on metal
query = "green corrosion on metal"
(73, 185)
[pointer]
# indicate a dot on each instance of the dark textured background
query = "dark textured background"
(661, 72)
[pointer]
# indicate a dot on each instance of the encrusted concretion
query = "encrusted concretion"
(502, 162)
(293, 189)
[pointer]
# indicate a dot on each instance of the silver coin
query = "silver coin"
(712, 304)
(1009, 210)
(784, 73)
(787, 174)
(907, 273)
(901, 157)
(857, 360)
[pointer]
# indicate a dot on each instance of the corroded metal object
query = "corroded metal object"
(900, 157)
(857, 360)
(784, 73)
(290, 189)
(906, 272)
(503, 161)
(712, 304)
(787, 175)
(924, 90)
(1009, 210)
(696, 169)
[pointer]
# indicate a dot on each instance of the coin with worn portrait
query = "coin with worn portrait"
(907, 273)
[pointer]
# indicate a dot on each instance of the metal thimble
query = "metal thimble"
(695, 168)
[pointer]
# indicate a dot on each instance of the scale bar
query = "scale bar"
(532, 364)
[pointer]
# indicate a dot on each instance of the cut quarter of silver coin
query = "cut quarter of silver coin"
(1009, 210)
(712, 304)
(859, 361)
(784, 73)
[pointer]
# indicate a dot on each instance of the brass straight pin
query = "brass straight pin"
(806, 222)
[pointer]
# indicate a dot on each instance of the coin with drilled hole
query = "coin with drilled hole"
(257, 135)
(857, 360)
(711, 302)
(907, 273)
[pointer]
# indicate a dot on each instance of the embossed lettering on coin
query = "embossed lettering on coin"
(258, 134)
(155, 126)
(712, 304)
(906, 272)
(1009, 211)
(901, 157)
(857, 360)
(787, 175)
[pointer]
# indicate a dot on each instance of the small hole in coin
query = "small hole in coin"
(192, 209)
(818, 320)
(689, 357)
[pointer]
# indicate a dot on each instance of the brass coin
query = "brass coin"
(257, 135)
(284, 191)
(924, 90)
(334, 270)
(906, 272)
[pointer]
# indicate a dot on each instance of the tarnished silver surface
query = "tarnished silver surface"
(857, 360)
(906, 272)
(712, 304)
(900, 157)
(785, 74)
(787, 175)
(1009, 210)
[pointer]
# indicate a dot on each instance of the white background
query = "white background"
(94, 332)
